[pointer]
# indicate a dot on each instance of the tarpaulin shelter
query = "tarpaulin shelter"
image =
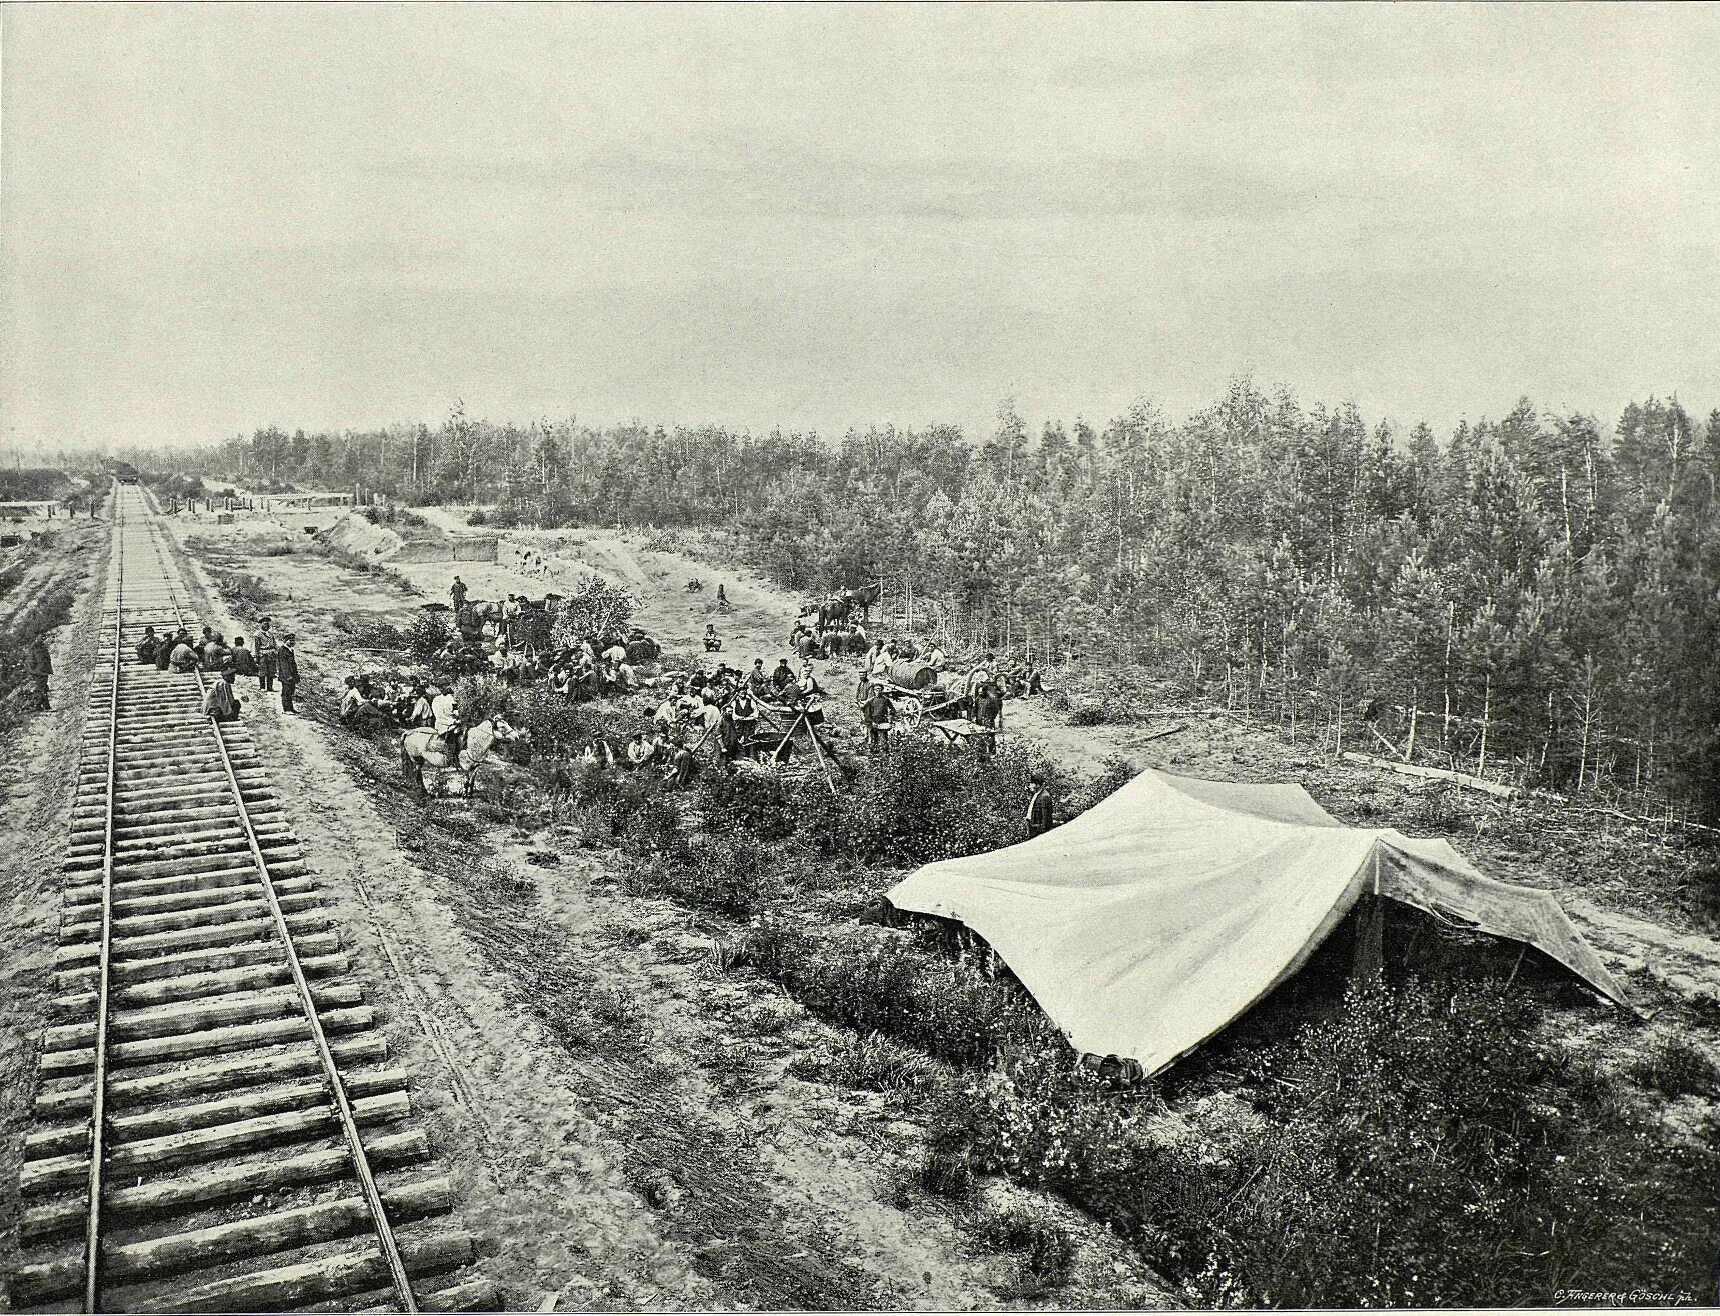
(1148, 923)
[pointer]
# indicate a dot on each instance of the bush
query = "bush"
(752, 798)
(1116, 773)
(593, 607)
(1421, 1148)
(481, 697)
(373, 633)
(478, 516)
(871, 1062)
(732, 875)
(428, 635)
(945, 1174)
(1047, 1249)
(1676, 1067)
(921, 803)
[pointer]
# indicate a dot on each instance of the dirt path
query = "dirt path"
(621, 1112)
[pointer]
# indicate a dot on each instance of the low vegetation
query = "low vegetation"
(1405, 1143)
(1411, 1142)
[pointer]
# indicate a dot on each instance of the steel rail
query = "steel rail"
(98, 1087)
(386, 1241)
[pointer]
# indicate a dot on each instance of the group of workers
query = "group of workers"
(273, 659)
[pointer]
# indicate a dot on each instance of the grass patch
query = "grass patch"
(1044, 1249)
(1676, 1067)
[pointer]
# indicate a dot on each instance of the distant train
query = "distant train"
(124, 472)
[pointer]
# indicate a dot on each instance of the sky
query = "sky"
(215, 218)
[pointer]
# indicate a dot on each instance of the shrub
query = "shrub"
(920, 803)
(428, 635)
(752, 797)
(480, 697)
(1087, 715)
(593, 607)
(732, 875)
(1677, 1067)
(1420, 1148)
(1047, 1248)
(877, 1064)
(1116, 773)
(373, 633)
(478, 516)
(945, 1174)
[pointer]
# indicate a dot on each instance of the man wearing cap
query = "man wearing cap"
(287, 668)
(880, 715)
(265, 655)
(1041, 809)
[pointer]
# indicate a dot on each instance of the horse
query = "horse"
(863, 598)
(833, 610)
(422, 747)
(486, 609)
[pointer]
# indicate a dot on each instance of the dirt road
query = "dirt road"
(620, 1111)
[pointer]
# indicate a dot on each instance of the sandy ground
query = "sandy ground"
(618, 1110)
(36, 787)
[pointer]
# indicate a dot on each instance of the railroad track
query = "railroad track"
(217, 1125)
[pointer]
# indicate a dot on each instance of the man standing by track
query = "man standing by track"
(265, 655)
(40, 667)
(287, 668)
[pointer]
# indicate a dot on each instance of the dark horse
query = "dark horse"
(840, 605)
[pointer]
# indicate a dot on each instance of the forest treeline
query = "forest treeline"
(1536, 596)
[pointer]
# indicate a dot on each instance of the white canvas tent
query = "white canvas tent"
(1145, 925)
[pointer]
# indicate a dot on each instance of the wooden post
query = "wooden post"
(1414, 713)
(1486, 716)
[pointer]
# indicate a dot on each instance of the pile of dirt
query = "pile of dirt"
(357, 535)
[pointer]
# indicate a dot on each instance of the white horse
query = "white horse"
(422, 747)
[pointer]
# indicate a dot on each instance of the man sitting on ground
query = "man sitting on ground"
(184, 657)
(244, 661)
(682, 768)
(146, 646)
(355, 705)
(667, 715)
(164, 650)
(758, 681)
(219, 701)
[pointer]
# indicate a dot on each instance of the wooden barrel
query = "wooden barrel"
(912, 675)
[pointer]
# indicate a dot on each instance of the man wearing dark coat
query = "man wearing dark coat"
(40, 667)
(287, 669)
(1041, 816)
